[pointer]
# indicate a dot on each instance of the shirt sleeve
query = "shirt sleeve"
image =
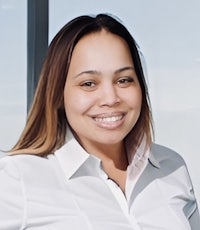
(11, 196)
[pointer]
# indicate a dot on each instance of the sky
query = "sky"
(169, 36)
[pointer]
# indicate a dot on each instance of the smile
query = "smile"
(108, 119)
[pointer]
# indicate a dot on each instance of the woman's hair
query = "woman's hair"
(46, 125)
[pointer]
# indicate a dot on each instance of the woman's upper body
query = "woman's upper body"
(70, 190)
(108, 175)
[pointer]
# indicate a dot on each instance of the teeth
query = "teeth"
(108, 119)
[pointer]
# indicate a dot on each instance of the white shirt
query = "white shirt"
(69, 190)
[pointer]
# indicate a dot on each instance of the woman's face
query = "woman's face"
(102, 94)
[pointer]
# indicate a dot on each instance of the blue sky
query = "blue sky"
(168, 33)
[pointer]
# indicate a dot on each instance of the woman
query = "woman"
(85, 159)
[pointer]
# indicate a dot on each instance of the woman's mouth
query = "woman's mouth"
(109, 121)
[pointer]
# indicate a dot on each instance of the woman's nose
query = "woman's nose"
(109, 95)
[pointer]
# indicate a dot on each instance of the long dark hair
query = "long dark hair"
(46, 126)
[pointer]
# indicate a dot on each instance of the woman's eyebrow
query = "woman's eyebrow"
(124, 69)
(95, 72)
(92, 72)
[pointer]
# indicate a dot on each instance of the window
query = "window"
(13, 108)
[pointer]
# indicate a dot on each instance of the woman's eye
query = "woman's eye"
(88, 84)
(125, 81)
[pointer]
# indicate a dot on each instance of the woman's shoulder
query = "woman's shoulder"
(172, 166)
(24, 178)
(27, 167)
(14, 162)
(165, 154)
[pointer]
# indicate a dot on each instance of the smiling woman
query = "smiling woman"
(108, 97)
(86, 159)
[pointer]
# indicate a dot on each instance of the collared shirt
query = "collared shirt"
(70, 190)
(78, 163)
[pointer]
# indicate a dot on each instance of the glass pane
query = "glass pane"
(13, 22)
(168, 33)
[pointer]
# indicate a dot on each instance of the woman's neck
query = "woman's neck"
(114, 161)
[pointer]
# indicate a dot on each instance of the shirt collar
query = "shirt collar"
(71, 156)
(153, 160)
(142, 154)
(152, 157)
